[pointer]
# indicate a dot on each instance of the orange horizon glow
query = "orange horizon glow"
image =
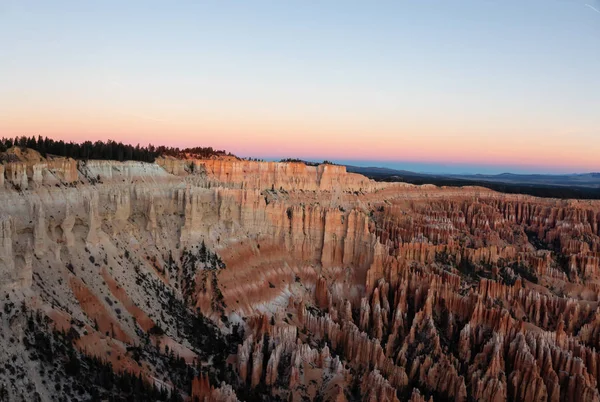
(274, 139)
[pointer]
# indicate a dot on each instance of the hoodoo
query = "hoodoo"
(224, 279)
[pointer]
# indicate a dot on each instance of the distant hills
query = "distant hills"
(584, 185)
(591, 180)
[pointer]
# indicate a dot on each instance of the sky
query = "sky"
(429, 85)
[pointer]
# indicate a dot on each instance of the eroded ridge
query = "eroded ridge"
(227, 280)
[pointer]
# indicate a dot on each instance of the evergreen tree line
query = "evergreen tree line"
(307, 163)
(109, 150)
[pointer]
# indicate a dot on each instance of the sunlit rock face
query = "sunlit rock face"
(227, 280)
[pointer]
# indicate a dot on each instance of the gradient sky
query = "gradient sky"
(446, 85)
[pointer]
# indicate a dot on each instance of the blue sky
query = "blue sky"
(473, 84)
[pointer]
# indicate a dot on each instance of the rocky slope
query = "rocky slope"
(225, 280)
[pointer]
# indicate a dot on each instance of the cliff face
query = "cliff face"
(296, 282)
(287, 176)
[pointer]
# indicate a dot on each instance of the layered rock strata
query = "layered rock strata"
(317, 284)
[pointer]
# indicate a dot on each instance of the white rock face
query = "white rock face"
(48, 215)
(130, 170)
(52, 208)
(7, 262)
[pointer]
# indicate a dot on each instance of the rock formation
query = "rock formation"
(225, 279)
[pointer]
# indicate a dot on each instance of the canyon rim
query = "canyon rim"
(223, 279)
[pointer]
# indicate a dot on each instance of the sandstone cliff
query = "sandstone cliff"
(281, 280)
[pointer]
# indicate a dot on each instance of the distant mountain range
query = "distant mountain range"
(591, 180)
(583, 185)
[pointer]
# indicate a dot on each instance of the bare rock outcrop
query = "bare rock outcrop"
(281, 280)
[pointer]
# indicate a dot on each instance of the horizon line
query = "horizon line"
(424, 165)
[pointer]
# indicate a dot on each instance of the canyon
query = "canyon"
(225, 279)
